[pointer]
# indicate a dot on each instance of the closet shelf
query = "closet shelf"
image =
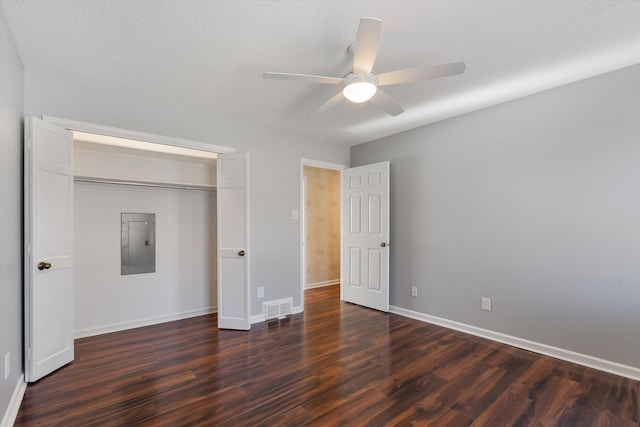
(143, 183)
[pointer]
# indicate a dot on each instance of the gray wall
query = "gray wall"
(275, 164)
(534, 203)
(11, 107)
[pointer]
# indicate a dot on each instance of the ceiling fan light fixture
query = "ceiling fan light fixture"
(359, 91)
(359, 88)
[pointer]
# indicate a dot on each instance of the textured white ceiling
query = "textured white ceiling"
(211, 53)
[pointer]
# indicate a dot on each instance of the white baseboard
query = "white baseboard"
(261, 318)
(115, 327)
(322, 284)
(547, 350)
(11, 413)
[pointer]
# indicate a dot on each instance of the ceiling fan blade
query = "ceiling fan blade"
(367, 42)
(328, 104)
(388, 104)
(420, 73)
(304, 77)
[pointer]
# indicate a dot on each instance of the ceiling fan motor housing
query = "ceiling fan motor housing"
(351, 78)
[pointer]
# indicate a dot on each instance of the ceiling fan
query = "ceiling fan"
(361, 84)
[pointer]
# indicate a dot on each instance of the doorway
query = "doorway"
(49, 166)
(320, 224)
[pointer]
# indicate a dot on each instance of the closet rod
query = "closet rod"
(143, 184)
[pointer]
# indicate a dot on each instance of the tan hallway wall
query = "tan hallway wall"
(322, 226)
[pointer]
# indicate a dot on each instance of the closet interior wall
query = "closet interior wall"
(180, 191)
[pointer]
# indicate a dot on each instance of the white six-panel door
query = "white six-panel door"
(49, 248)
(233, 241)
(365, 222)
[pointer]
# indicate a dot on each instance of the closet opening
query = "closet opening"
(81, 182)
(116, 176)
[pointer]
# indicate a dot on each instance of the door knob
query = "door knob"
(383, 244)
(44, 265)
(241, 253)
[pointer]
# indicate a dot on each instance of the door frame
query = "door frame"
(78, 126)
(302, 217)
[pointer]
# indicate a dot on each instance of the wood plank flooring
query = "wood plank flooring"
(336, 364)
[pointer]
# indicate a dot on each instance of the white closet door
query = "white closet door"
(233, 241)
(49, 242)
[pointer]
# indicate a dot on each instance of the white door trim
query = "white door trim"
(79, 126)
(324, 165)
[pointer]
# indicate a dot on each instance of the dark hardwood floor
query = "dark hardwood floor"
(336, 364)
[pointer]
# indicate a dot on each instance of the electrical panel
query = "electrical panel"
(138, 243)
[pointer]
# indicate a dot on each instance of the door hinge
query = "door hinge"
(29, 354)
(28, 143)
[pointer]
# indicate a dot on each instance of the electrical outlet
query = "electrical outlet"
(294, 214)
(486, 304)
(414, 291)
(7, 365)
(260, 291)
